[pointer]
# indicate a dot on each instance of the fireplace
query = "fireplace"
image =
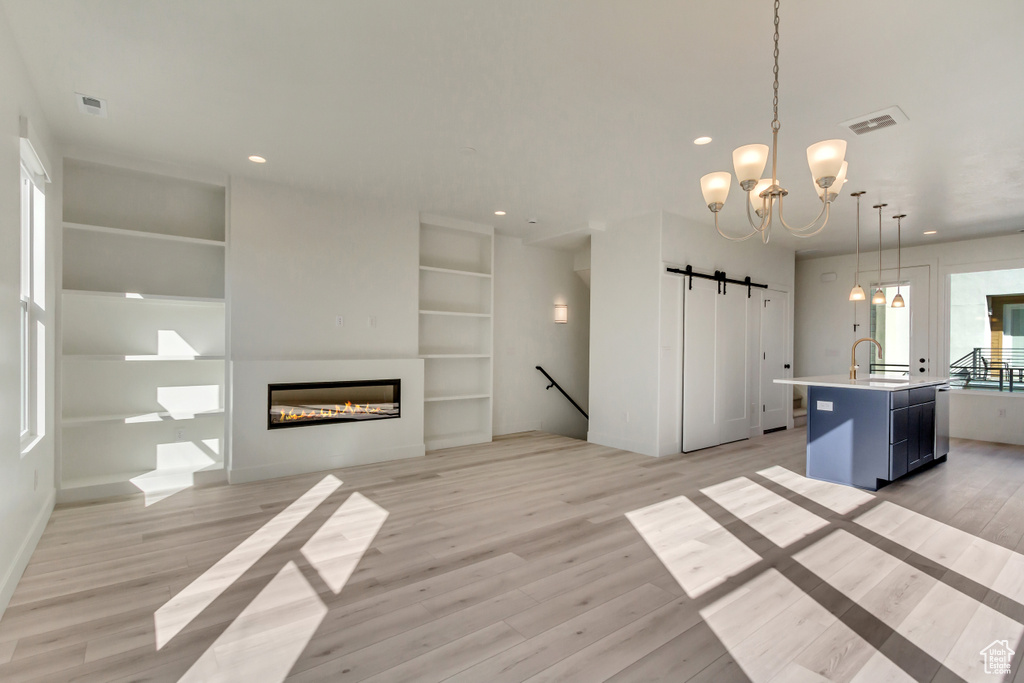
(311, 403)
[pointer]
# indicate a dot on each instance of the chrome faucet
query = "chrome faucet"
(853, 354)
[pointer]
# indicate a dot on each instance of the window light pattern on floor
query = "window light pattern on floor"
(777, 632)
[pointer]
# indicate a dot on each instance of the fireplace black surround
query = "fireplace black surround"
(304, 404)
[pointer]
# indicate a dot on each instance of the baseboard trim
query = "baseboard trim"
(288, 469)
(28, 546)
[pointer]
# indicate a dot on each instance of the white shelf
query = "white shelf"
(434, 442)
(99, 419)
(465, 397)
(452, 271)
(137, 358)
(144, 235)
(457, 313)
(133, 296)
(455, 355)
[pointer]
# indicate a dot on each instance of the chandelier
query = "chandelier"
(828, 171)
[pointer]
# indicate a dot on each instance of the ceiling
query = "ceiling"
(580, 112)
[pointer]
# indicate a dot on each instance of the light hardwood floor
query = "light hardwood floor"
(516, 561)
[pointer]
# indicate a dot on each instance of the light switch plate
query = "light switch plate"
(825, 405)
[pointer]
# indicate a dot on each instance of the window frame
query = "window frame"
(32, 298)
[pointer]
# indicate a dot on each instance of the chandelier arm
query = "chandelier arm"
(812, 234)
(766, 212)
(730, 238)
(809, 226)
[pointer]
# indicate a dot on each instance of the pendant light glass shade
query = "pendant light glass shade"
(749, 161)
(857, 293)
(715, 187)
(897, 301)
(879, 298)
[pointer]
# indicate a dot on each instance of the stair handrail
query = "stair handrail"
(567, 396)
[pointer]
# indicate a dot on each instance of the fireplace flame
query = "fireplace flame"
(326, 413)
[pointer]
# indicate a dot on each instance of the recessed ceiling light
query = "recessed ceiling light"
(702, 140)
(499, 213)
(930, 232)
(257, 159)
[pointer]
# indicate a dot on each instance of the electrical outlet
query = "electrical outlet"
(179, 434)
(339, 321)
(1002, 412)
(372, 321)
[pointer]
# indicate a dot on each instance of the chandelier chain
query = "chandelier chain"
(775, 86)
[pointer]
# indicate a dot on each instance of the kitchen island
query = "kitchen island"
(871, 431)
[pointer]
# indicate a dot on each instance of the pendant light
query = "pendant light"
(879, 298)
(897, 301)
(857, 293)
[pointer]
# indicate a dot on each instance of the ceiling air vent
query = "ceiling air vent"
(876, 120)
(93, 106)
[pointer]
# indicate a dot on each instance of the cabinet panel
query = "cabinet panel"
(897, 460)
(898, 425)
(900, 399)
(922, 395)
(926, 431)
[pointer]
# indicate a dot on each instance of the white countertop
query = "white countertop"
(874, 382)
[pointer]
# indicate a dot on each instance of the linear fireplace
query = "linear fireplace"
(311, 403)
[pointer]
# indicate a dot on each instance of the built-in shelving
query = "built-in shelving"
(142, 329)
(456, 328)
(144, 235)
(449, 271)
(465, 397)
(148, 297)
(457, 313)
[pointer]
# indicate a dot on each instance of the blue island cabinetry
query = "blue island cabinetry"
(871, 432)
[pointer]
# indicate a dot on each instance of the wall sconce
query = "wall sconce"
(561, 313)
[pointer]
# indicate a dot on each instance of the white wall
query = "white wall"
(528, 282)
(26, 481)
(635, 345)
(825, 316)
(625, 277)
(298, 259)
(699, 245)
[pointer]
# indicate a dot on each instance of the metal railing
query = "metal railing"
(890, 368)
(989, 368)
(567, 396)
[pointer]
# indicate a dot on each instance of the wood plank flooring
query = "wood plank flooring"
(516, 561)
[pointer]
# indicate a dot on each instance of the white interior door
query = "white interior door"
(699, 429)
(774, 397)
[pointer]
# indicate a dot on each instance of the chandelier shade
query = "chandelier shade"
(715, 187)
(749, 161)
(756, 200)
(826, 158)
(835, 188)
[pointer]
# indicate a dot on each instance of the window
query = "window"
(986, 330)
(33, 307)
